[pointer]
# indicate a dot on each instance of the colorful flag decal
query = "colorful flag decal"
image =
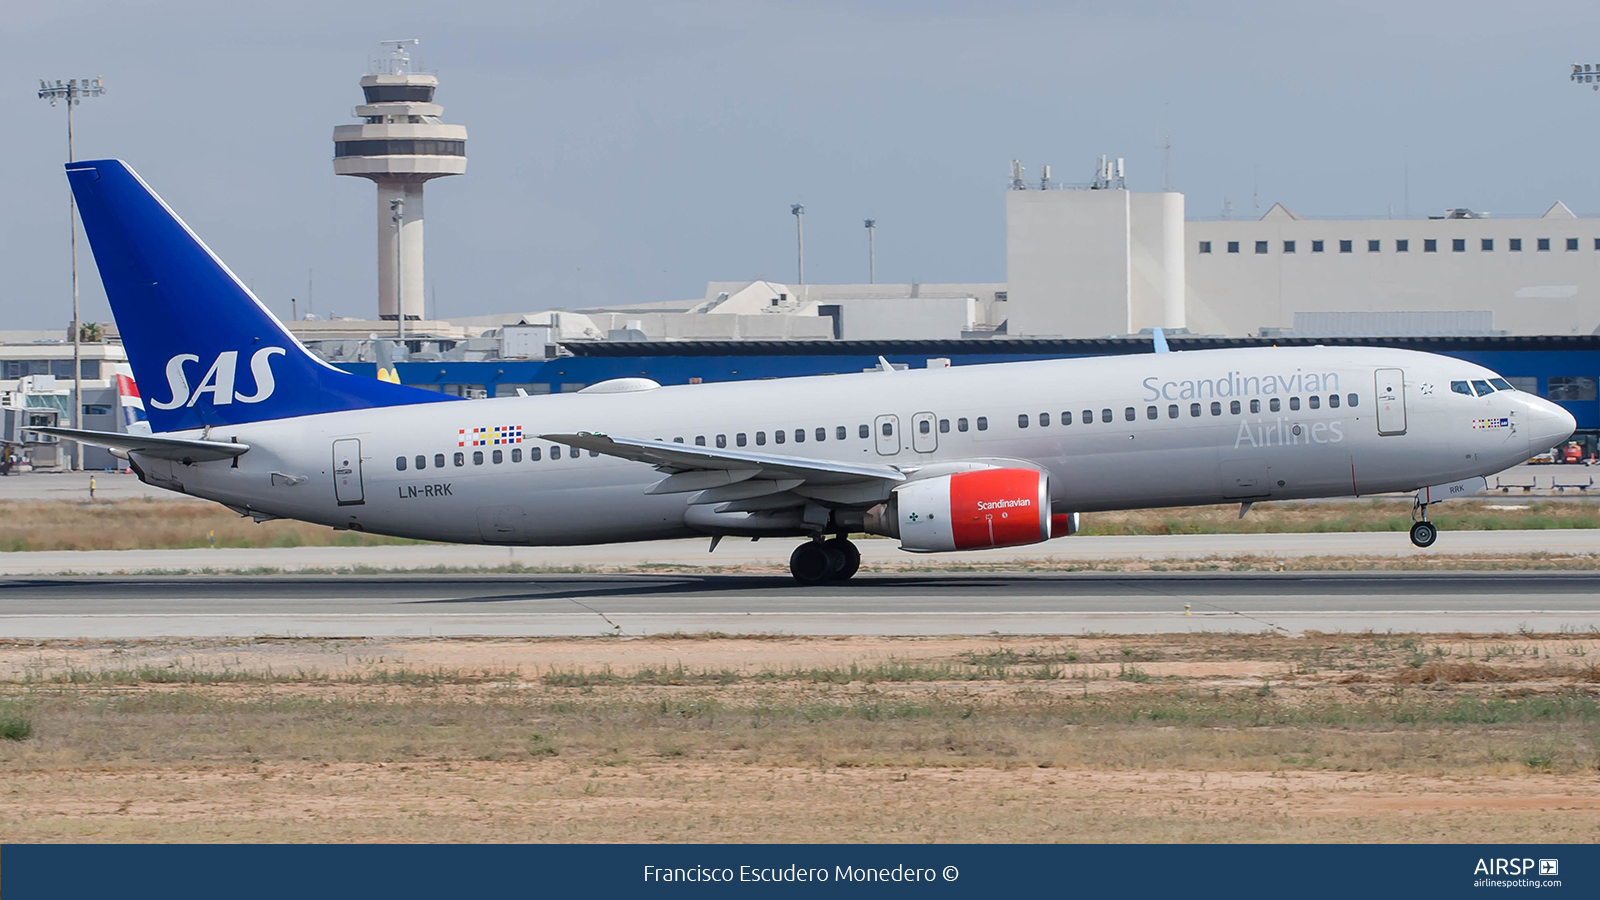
(1501, 422)
(134, 420)
(489, 436)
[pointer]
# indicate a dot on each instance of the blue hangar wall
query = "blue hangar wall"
(1566, 366)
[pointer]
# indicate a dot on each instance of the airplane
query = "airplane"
(941, 459)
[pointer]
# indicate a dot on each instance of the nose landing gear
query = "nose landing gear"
(819, 561)
(1423, 532)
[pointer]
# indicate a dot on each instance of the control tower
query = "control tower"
(400, 144)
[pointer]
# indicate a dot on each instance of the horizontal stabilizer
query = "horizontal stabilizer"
(184, 450)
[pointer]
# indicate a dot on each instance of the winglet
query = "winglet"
(884, 365)
(1160, 340)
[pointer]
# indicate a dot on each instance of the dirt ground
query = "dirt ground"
(1374, 737)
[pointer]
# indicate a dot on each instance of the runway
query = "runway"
(101, 608)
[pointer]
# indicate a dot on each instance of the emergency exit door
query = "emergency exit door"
(1391, 401)
(924, 439)
(347, 472)
(887, 431)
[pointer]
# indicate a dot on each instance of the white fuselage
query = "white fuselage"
(1238, 448)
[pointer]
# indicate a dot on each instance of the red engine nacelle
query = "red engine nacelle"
(969, 511)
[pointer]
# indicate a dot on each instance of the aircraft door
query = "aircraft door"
(887, 430)
(347, 472)
(1391, 401)
(924, 439)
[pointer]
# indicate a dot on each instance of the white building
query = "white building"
(1106, 260)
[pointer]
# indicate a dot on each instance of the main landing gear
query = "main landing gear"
(818, 561)
(1423, 532)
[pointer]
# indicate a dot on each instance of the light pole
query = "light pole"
(397, 215)
(799, 213)
(872, 252)
(73, 92)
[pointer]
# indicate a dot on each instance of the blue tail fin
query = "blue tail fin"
(204, 350)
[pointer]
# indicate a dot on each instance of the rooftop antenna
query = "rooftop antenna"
(1407, 180)
(1044, 178)
(1255, 192)
(399, 61)
(1017, 182)
(1122, 176)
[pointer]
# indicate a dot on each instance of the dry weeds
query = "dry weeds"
(177, 524)
(708, 738)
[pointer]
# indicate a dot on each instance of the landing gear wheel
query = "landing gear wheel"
(814, 562)
(850, 558)
(1423, 534)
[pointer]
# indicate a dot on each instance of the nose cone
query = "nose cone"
(1548, 425)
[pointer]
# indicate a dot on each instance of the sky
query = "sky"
(630, 152)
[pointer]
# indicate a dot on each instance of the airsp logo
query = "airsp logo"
(218, 380)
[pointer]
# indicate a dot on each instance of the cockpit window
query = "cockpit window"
(1501, 384)
(1483, 388)
(1460, 387)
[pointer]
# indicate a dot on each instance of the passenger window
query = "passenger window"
(1501, 384)
(422, 461)
(534, 453)
(477, 457)
(799, 435)
(677, 440)
(1274, 404)
(1044, 420)
(460, 458)
(925, 426)
(516, 455)
(594, 453)
(944, 426)
(822, 434)
(1172, 411)
(779, 437)
(1294, 402)
(1105, 415)
(1483, 388)
(1233, 407)
(1129, 414)
(983, 423)
(1150, 412)
(699, 440)
(888, 429)
(497, 457)
(1333, 401)
(1088, 417)
(739, 439)
(1066, 418)
(1216, 408)
(839, 433)
(867, 432)
(761, 438)
(1352, 398)
(1460, 387)
(1022, 421)
(555, 451)
(961, 424)
(1194, 410)
(1255, 406)
(722, 441)
(400, 463)
(1315, 401)
(438, 460)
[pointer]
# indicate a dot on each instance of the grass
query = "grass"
(696, 738)
(146, 524)
(184, 524)
(14, 725)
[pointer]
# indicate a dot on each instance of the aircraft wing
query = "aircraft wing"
(184, 450)
(746, 480)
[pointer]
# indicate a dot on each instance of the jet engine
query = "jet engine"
(967, 511)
